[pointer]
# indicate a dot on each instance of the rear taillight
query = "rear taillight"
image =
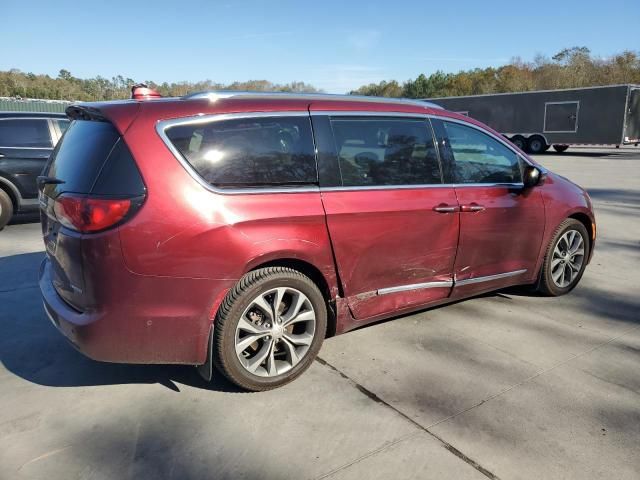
(86, 214)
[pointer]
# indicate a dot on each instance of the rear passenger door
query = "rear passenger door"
(25, 146)
(393, 224)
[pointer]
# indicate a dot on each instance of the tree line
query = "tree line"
(569, 68)
(14, 83)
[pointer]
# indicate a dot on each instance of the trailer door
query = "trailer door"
(561, 117)
(632, 128)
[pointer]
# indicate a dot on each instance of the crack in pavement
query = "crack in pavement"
(379, 400)
(534, 376)
(428, 428)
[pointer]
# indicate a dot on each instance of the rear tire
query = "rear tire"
(6, 209)
(519, 141)
(536, 144)
(560, 148)
(269, 328)
(565, 259)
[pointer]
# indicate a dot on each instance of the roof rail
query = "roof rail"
(214, 95)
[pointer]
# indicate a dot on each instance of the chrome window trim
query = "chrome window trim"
(27, 148)
(422, 186)
(369, 113)
(415, 286)
(46, 119)
(163, 125)
(488, 278)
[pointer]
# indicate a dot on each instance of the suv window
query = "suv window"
(78, 159)
(265, 151)
(25, 132)
(63, 125)
(376, 151)
(478, 158)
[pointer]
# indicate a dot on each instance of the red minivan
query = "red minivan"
(240, 229)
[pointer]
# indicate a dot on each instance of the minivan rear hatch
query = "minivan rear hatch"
(89, 184)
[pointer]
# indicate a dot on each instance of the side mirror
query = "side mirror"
(531, 177)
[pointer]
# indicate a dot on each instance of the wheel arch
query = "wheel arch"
(588, 224)
(316, 276)
(11, 190)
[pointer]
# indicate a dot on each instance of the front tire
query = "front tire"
(560, 148)
(6, 209)
(565, 259)
(269, 328)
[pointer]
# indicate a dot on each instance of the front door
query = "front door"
(392, 222)
(501, 223)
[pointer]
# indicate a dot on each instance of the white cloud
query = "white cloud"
(342, 78)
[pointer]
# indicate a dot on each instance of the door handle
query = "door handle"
(444, 208)
(472, 207)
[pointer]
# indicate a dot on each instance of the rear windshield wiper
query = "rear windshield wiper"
(44, 180)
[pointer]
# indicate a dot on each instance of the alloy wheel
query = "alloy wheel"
(275, 331)
(568, 258)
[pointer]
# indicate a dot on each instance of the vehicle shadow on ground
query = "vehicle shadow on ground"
(599, 154)
(33, 349)
(631, 197)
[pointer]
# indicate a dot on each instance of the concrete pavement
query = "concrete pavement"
(501, 386)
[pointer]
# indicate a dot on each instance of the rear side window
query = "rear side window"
(251, 152)
(25, 133)
(478, 158)
(92, 158)
(375, 152)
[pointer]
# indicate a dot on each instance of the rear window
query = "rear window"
(25, 133)
(249, 152)
(80, 155)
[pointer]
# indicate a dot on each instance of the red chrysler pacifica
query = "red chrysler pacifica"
(239, 229)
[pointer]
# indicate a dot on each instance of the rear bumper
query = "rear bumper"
(138, 319)
(74, 325)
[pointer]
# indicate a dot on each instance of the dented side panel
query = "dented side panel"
(392, 238)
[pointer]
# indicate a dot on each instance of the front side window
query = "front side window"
(25, 133)
(380, 151)
(478, 158)
(249, 152)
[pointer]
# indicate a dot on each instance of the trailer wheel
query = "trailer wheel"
(560, 148)
(519, 141)
(536, 144)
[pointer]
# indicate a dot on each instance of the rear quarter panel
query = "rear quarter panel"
(186, 230)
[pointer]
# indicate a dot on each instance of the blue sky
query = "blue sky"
(334, 45)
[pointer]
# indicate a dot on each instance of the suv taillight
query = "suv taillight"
(89, 215)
